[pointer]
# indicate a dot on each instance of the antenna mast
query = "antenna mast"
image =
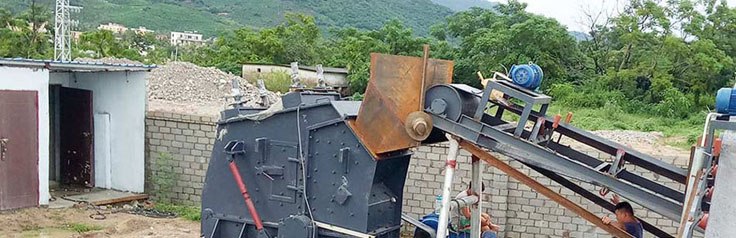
(62, 30)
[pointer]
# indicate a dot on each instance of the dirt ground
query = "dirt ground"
(76, 222)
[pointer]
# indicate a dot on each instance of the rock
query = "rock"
(187, 88)
(127, 207)
(185, 230)
(108, 60)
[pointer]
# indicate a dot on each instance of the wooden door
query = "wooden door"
(18, 149)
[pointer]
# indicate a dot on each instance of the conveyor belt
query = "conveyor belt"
(490, 132)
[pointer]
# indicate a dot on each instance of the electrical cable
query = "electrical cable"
(304, 172)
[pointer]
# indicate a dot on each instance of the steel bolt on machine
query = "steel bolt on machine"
(316, 165)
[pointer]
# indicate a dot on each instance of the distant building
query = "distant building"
(142, 30)
(186, 38)
(162, 37)
(334, 77)
(114, 27)
(41, 29)
(76, 35)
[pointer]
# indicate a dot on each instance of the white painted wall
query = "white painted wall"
(34, 79)
(103, 170)
(121, 95)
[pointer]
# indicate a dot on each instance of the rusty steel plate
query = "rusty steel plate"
(393, 93)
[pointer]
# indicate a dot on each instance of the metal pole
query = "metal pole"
(447, 186)
(477, 189)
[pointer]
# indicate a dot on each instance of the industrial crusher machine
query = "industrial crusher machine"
(316, 165)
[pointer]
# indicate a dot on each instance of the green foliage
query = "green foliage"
(494, 40)
(298, 39)
(277, 81)
(462, 5)
(26, 34)
(674, 104)
(191, 213)
(164, 177)
(217, 16)
(82, 228)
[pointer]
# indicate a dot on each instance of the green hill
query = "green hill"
(213, 16)
(462, 5)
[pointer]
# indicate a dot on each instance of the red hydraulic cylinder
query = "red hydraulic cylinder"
(251, 208)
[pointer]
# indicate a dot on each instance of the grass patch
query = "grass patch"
(191, 213)
(82, 228)
(610, 117)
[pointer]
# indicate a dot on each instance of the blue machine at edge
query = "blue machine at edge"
(432, 220)
(528, 76)
(726, 101)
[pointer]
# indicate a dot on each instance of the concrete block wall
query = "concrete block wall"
(188, 140)
(520, 211)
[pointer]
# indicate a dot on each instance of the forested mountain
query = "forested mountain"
(213, 16)
(462, 5)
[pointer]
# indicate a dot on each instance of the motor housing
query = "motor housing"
(726, 101)
(528, 76)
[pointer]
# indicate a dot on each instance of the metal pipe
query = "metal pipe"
(251, 208)
(447, 186)
(705, 128)
(475, 208)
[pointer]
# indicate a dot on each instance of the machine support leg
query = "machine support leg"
(522, 120)
(251, 208)
(447, 186)
(477, 182)
(541, 189)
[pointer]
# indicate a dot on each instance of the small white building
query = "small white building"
(114, 27)
(142, 30)
(69, 123)
(186, 38)
(334, 77)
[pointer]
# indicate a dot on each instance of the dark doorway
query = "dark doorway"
(76, 137)
(18, 149)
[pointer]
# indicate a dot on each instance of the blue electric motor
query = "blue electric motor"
(527, 75)
(726, 101)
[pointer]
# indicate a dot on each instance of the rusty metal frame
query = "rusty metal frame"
(541, 189)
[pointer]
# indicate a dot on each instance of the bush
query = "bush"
(277, 81)
(164, 178)
(674, 104)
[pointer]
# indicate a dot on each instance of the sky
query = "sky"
(570, 12)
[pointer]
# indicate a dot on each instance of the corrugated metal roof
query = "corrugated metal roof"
(73, 65)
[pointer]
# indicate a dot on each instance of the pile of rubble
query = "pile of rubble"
(631, 137)
(108, 60)
(187, 88)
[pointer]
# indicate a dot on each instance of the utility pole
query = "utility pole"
(62, 30)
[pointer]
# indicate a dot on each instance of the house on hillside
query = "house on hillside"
(334, 77)
(69, 123)
(142, 30)
(186, 38)
(114, 27)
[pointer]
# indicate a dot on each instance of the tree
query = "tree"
(494, 40)
(102, 43)
(26, 35)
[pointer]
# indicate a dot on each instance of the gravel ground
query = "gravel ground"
(631, 137)
(76, 223)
